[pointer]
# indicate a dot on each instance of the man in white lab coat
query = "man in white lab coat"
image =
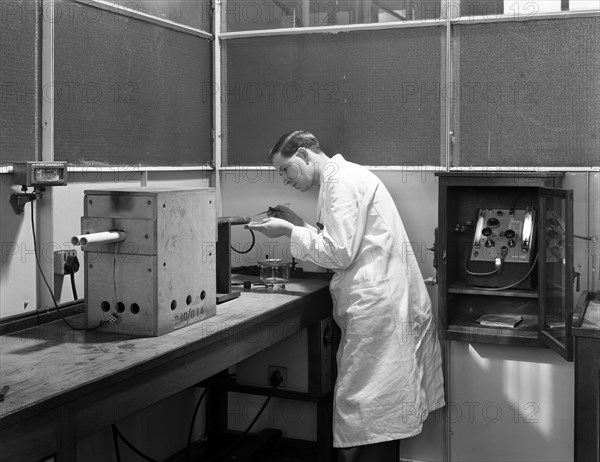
(389, 361)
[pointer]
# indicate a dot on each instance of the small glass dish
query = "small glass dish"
(274, 273)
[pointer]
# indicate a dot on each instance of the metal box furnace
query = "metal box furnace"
(161, 276)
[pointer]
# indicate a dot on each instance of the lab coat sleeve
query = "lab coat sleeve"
(344, 217)
(311, 228)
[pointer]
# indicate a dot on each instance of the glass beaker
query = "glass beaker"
(274, 273)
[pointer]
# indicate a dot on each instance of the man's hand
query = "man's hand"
(281, 211)
(272, 227)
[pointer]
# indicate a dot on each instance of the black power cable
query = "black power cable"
(73, 288)
(242, 252)
(222, 454)
(190, 434)
(510, 286)
(71, 267)
(117, 433)
(116, 443)
(37, 260)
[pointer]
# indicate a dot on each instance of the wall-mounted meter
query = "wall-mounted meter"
(32, 174)
(37, 175)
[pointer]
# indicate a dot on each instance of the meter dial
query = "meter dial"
(493, 222)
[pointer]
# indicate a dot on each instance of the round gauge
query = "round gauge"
(493, 222)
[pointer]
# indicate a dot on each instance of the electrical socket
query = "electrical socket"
(60, 258)
(282, 371)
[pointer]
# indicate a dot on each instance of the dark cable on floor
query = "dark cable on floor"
(37, 260)
(116, 444)
(243, 436)
(191, 432)
(117, 433)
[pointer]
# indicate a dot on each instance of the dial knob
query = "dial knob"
(493, 222)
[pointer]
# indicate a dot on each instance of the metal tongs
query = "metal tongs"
(270, 209)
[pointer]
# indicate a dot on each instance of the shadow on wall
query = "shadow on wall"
(17, 267)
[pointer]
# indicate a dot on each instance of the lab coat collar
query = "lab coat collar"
(336, 159)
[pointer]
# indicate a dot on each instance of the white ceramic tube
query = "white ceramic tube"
(104, 237)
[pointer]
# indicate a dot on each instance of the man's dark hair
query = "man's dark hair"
(289, 143)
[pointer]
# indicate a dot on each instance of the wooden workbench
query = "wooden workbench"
(67, 384)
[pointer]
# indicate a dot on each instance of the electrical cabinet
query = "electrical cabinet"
(505, 258)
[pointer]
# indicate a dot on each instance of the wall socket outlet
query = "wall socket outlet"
(282, 371)
(60, 258)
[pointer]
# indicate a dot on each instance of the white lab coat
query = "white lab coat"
(389, 360)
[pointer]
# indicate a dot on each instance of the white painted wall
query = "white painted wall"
(496, 376)
(18, 286)
(531, 388)
(58, 216)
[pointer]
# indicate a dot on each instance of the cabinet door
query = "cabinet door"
(556, 269)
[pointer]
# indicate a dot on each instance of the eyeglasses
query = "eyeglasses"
(289, 170)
